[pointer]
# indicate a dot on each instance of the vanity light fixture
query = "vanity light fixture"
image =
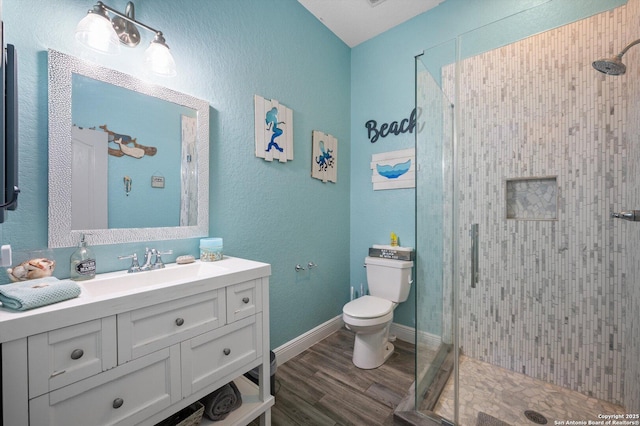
(98, 32)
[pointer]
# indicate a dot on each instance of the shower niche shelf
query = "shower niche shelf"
(534, 198)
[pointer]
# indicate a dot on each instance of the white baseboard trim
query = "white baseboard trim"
(408, 334)
(303, 342)
(403, 332)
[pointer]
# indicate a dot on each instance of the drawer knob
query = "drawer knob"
(179, 322)
(226, 351)
(117, 403)
(245, 299)
(77, 354)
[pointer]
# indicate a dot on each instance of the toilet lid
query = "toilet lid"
(368, 307)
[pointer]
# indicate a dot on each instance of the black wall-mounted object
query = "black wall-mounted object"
(9, 133)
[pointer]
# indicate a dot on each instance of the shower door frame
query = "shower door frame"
(449, 225)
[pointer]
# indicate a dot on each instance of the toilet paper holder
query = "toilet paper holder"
(310, 265)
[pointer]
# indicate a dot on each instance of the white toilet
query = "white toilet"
(369, 317)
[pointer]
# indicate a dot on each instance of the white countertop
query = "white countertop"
(124, 292)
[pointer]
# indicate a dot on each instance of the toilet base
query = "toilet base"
(371, 350)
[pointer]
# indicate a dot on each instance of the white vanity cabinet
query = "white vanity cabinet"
(148, 329)
(157, 351)
(128, 394)
(60, 357)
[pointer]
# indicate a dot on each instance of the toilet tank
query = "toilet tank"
(389, 278)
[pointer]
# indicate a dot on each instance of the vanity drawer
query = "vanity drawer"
(211, 356)
(64, 356)
(146, 330)
(125, 395)
(243, 300)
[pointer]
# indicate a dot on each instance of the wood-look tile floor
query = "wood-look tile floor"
(321, 386)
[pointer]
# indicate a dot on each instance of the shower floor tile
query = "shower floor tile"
(505, 394)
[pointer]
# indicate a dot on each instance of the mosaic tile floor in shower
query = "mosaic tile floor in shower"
(506, 395)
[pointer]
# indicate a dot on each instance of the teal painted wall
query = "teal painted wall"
(382, 88)
(226, 51)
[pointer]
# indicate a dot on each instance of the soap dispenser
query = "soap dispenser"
(83, 262)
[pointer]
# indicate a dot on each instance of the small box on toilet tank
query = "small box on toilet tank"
(392, 252)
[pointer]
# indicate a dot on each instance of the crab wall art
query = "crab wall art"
(324, 161)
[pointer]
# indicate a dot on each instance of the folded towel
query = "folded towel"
(31, 294)
(218, 404)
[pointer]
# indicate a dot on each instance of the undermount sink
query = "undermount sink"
(115, 282)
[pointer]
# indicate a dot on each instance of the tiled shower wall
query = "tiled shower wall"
(631, 375)
(552, 297)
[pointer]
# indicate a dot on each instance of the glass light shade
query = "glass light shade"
(96, 32)
(159, 60)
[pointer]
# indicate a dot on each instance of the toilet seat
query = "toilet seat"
(368, 307)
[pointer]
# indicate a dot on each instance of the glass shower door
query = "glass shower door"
(435, 318)
(539, 159)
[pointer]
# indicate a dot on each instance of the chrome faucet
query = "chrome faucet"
(159, 264)
(135, 266)
(148, 256)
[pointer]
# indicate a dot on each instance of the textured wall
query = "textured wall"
(226, 51)
(383, 88)
(551, 298)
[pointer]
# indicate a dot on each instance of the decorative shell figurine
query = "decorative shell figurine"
(32, 269)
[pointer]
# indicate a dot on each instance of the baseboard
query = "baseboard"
(403, 332)
(303, 342)
(408, 334)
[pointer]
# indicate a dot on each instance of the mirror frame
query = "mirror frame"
(61, 68)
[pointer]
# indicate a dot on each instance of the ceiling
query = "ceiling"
(355, 21)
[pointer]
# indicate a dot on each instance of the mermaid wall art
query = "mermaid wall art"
(273, 130)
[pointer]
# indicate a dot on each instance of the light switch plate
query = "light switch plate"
(5, 255)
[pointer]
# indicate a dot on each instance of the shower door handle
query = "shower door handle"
(474, 255)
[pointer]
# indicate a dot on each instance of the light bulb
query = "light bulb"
(96, 32)
(158, 58)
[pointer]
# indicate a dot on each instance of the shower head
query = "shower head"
(614, 65)
(611, 66)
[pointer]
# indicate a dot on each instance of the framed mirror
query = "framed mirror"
(128, 160)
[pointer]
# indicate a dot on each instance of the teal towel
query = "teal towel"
(25, 295)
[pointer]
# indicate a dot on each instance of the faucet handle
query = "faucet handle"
(159, 264)
(135, 266)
